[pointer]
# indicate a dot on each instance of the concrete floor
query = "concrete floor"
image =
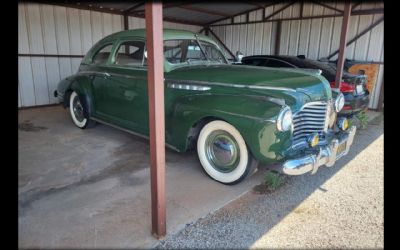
(91, 188)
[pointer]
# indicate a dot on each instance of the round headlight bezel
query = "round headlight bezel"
(339, 102)
(343, 123)
(284, 121)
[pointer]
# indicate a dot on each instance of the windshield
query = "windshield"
(191, 52)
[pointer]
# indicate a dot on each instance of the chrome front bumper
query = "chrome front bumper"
(327, 155)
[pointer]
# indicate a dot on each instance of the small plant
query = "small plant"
(363, 118)
(273, 179)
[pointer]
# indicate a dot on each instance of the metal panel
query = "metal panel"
(258, 36)
(62, 33)
(65, 67)
(23, 40)
(26, 82)
(353, 26)
(34, 29)
(49, 29)
(97, 29)
(53, 77)
(285, 32)
(74, 31)
(19, 96)
(40, 80)
(305, 31)
(107, 24)
(86, 31)
(315, 33)
(242, 34)
(376, 47)
(250, 35)
(117, 23)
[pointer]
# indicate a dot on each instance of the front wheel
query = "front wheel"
(223, 153)
(77, 110)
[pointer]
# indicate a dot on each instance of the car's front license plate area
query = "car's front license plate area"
(341, 148)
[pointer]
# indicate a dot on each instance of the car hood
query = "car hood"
(290, 84)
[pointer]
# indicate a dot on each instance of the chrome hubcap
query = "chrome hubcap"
(222, 151)
(78, 109)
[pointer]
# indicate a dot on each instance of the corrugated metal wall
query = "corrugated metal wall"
(49, 29)
(314, 38)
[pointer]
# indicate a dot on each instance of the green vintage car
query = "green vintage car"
(234, 116)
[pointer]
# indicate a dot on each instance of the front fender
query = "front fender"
(81, 85)
(253, 116)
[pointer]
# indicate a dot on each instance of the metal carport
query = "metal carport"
(219, 20)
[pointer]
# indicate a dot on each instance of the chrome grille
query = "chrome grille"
(312, 118)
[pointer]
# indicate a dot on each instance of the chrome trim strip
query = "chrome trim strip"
(111, 74)
(130, 132)
(187, 87)
(231, 85)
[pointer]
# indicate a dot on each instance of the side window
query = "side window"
(277, 64)
(173, 50)
(102, 55)
(194, 51)
(213, 53)
(130, 53)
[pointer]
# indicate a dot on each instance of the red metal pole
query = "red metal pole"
(342, 46)
(155, 78)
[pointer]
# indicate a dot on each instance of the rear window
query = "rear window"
(102, 54)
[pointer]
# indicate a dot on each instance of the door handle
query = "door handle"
(106, 75)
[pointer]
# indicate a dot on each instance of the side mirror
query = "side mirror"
(239, 56)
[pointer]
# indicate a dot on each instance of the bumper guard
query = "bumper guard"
(327, 155)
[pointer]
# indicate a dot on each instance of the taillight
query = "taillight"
(344, 87)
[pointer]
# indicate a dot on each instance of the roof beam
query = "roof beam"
(327, 6)
(238, 14)
(342, 46)
(279, 10)
(222, 43)
(359, 35)
(130, 9)
(211, 12)
(172, 20)
(355, 6)
(354, 13)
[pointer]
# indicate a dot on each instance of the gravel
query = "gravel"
(338, 207)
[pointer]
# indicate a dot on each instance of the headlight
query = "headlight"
(339, 102)
(285, 120)
(343, 123)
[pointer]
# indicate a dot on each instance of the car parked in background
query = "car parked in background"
(352, 86)
(235, 116)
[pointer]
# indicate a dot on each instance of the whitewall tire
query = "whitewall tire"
(223, 153)
(76, 108)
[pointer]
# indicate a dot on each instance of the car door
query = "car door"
(97, 73)
(127, 85)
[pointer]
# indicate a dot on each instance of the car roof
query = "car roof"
(168, 34)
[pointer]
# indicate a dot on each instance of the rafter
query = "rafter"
(238, 14)
(279, 10)
(211, 12)
(327, 6)
(128, 10)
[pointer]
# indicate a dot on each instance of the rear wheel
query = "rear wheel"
(77, 111)
(223, 153)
